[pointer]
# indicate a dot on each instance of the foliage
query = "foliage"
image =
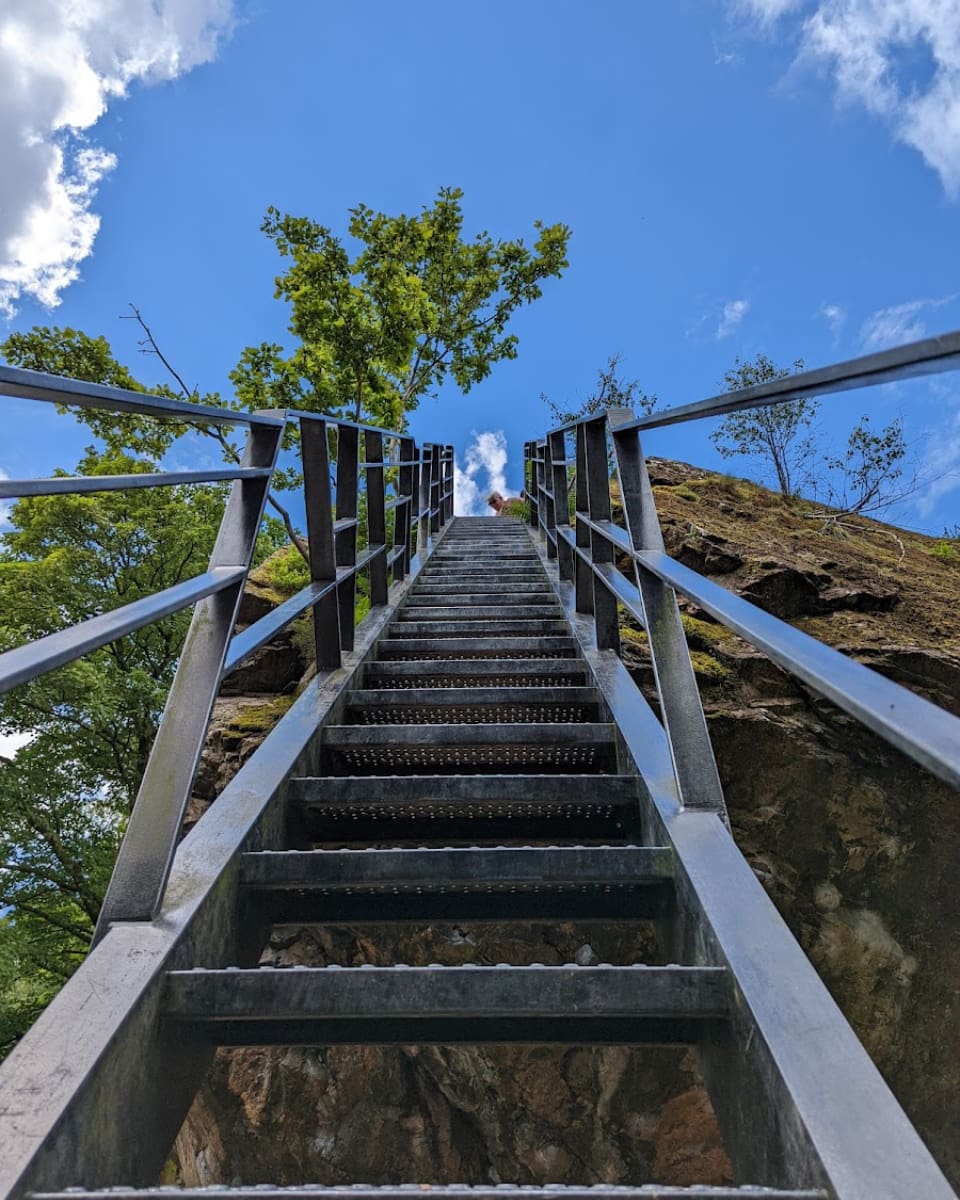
(610, 392)
(378, 331)
(66, 795)
(869, 469)
(780, 435)
(72, 353)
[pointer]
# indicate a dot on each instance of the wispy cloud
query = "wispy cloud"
(733, 313)
(485, 459)
(61, 65)
(835, 317)
(867, 47)
(940, 463)
(898, 324)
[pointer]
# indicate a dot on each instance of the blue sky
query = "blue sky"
(776, 176)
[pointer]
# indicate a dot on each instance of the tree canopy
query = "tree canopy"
(378, 330)
(779, 436)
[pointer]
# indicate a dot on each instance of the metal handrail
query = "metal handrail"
(212, 649)
(587, 551)
(931, 356)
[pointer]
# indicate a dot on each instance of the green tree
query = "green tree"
(65, 796)
(381, 329)
(780, 435)
(610, 391)
(870, 470)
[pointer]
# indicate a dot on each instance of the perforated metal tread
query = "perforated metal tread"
(480, 627)
(440, 1191)
(480, 592)
(459, 868)
(501, 705)
(436, 1004)
(594, 791)
(474, 672)
(468, 610)
(501, 883)
(561, 746)
(492, 807)
(478, 647)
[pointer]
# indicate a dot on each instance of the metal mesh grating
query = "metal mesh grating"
(407, 757)
(473, 714)
(439, 810)
(399, 682)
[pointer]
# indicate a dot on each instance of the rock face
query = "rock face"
(856, 846)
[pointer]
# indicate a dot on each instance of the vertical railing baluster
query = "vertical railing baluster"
(376, 516)
(436, 466)
(561, 506)
(582, 572)
(426, 470)
(683, 718)
(448, 462)
(549, 502)
(403, 513)
(146, 854)
(601, 551)
(345, 533)
(530, 481)
(315, 448)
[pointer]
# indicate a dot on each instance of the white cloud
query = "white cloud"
(60, 66)
(941, 465)
(733, 313)
(486, 456)
(898, 324)
(835, 317)
(766, 10)
(869, 46)
(10, 743)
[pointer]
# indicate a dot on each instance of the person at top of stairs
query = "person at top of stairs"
(512, 507)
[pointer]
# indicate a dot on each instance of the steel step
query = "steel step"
(385, 706)
(465, 627)
(439, 1191)
(466, 808)
(448, 883)
(415, 610)
(484, 591)
(480, 647)
(444, 1005)
(557, 747)
(481, 672)
(427, 598)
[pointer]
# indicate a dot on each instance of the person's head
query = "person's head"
(495, 500)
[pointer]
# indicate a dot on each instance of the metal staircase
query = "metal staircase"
(477, 752)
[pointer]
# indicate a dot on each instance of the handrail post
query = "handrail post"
(376, 516)
(683, 718)
(318, 502)
(447, 489)
(345, 538)
(530, 481)
(403, 513)
(549, 505)
(583, 575)
(423, 517)
(146, 853)
(605, 616)
(436, 466)
(561, 506)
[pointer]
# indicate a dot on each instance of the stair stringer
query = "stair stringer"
(100, 1048)
(798, 1099)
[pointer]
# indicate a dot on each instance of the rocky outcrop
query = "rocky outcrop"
(856, 845)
